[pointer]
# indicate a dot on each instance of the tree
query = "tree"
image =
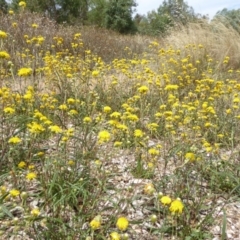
(3, 6)
(72, 11)
(118, 16)
(169, 14)
(96, 12)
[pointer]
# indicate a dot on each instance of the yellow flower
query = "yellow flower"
(171, 87)
(176, 206)
(153, 151)
(55, 129)
(107, 109)
(122, 224)
(104, 136)
(63, 107)
(95, 73)
(9, 110)
(4, 54)
(14, 140)
(3, 34)
(165, 200)
(34, 25)
(11, 12)
(31, 176)
(190, 157)
(35, 212)
(14, 193)
(71, 101)
(115, 115)
(115, 236)
(143, 89)
(22, 4)
(87, 120)
(24, 72)
(34, 127)
(96, 223)
(22, 164)
(138, 133)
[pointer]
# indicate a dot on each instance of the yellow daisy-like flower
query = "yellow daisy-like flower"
(9, 110)
(95, 73)
(22, 4)
(190, 157)
(14, 140)
(35, 212)
(22, 164)
(24, 72)
(107, 109)
(115, 236)
(122, 224)
(55, 129)
(4, 54)
(138, 133)
(104, 136)
(176, 206)
(143, 89)
(165, 200)
(87, 120)
(14, 193)
(34, 25)
(96, 223)
(3, 34)
(11, 12)
(35, 127)
(31, 176)
(171, 87)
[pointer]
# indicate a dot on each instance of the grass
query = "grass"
(112, 137)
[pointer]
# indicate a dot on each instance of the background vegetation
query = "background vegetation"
(112, 136)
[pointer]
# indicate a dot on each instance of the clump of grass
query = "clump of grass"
(103, 149)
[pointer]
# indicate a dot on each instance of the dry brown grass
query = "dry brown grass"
(104, 43)
(218, 40)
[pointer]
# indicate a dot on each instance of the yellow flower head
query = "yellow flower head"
(9, 110)
(107, 109)
(87, 120)
(14, 140)
(22, 164)
(31, 176)
(165, 200)
(24, 72)
(96, 223)
(22, 4)
(95, 73)
(55, 129)
(115, 236)
(190, 157)
(35, 212)
(138, 133)
(176, 206)
(171, 87)
(122, 224)
(3, 34)
(104, 136)
(4, 54)
(14, 193)
(143, 89)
